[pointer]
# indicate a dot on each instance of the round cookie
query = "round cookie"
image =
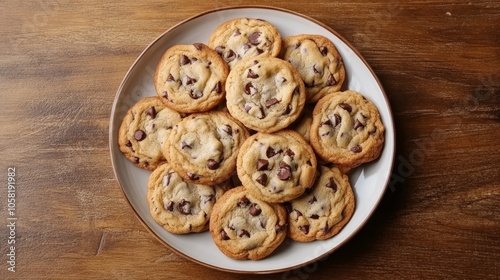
(318, 61)
(323, 210)
(239, 38)
(203, 147)
(245, 227)
(191, 78)
(144, 130)
(180, 206)
(346, 129)
(265, 94)
(276, 167)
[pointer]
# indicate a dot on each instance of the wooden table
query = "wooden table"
(61, 63)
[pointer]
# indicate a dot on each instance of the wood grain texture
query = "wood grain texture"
(61, 63)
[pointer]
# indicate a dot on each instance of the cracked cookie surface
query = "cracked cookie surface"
(144, 130)
(191, 78)
(203, 147)
(178, 205)
(245, 227)
(346, 129)
(240, 38)
(318, 62)
(324, 210)
(276, 167)
(265, 94)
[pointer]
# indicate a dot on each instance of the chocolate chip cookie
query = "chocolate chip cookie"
(178, 205)
(245, 227)
(144, 130)
(323, 210)
(191, 78)
(265, 94)
(346, 129)
(276, 167)
(245, 37)
(318, 62)
(203, 147)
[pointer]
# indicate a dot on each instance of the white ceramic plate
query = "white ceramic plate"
(369, 181)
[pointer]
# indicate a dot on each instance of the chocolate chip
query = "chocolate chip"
(262, 114)
(304, 229)
(220, 49)
(207, 198)
(237, 33)
(271, 102)
(254, 38)
(229, 56)
(195, 94)
(136, 159)
(252, 74)
(356, 149)
(312, 200)
(184, 207)
(315, 70)
(255, 210)
(259, 50)
(168, 176)
(331, 81)
(243, 202)
(358, 124)
(270, 152)
(185, 145)
(193, 176)
(248, 88)
(262, 179)
(243, 233)
(289, 153)
(326, 228)
(165, 94)
(262, 223)
(246, 47)
(309, 163)
(151, 112)
(327, 122)
(262, 164)
(128, 144)
(212, 164)
(198, 46)
(227, 129)
(331, 184)
(217, 88)
(297, 45)
(323, 51)
(288, 109)
(184, 60)
(223, 235)
(139, 135)
(314, 216)
(170, 78)
(346, 107)
(337, 119)
(298, 213)
(285, 171)
(248, 107)
(279, 228)
(190, 81)
(169, 206)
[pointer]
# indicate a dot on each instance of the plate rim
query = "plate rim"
(236, 7)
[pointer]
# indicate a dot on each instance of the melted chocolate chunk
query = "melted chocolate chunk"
(169, 206)
(331, 81)
(271, 102)
(223, 235)
(128, 144)
(356, 149)
(229, 56)
(358, 124)
(170, 78)
(284, 172)
(243, 202)
(219, 49)
(288, 109)
(289, 153)
(185, 145)
(280, 228)
(312, 200)
(184, 207)
(304, 229)
(193, 176)
(139, 135)
(217, 88)
(251, 74)
(323, 50)
(314, 216)
(270, 152)
(195, 94)
(248, 88)
(243, 233)
(338, 119)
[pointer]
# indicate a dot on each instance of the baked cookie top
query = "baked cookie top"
(203, 147)
(178, 205)
(191, 78)
(276, 167)
(346, 129)
(245, 227)
(144, 130)
(239, 38)
(318, 62)
(265, 94)
(324, 210)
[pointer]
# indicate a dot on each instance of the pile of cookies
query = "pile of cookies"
(250, 137)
